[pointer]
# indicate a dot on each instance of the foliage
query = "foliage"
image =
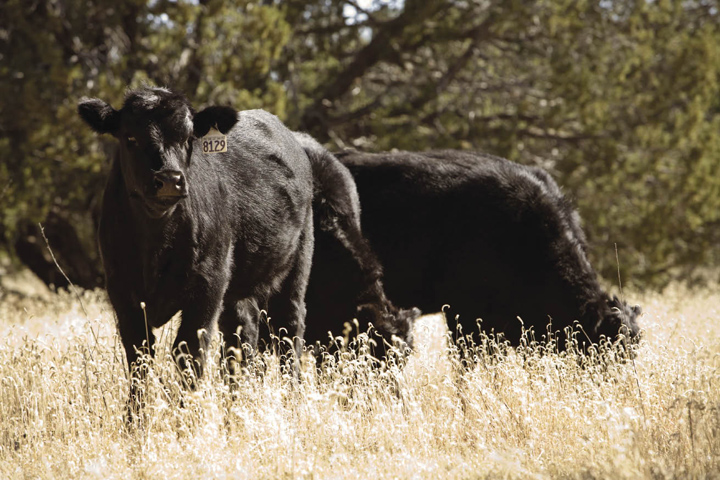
(617, 99)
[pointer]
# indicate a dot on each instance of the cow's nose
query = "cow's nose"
(169, 183)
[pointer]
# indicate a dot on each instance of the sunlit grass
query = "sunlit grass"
(452, 411)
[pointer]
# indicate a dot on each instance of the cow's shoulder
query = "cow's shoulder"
(260, 125)
(262, 135)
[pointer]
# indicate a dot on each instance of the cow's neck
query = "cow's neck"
(168, 244)
(161, 243)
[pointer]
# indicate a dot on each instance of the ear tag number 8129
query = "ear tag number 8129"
(214, 142)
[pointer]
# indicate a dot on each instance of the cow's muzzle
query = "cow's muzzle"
(170, 183)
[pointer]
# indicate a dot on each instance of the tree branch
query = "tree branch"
(431, 92)
(328, 29)
(362, 10)
(416, 11)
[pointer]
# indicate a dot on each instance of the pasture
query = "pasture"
(449, 412)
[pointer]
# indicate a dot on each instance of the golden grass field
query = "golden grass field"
(449, 413)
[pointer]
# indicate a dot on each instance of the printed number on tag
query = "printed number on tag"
(214, 142)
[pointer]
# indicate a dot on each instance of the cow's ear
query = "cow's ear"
(99, 115)
(222, 118)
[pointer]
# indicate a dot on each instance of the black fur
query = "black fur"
(493, 239)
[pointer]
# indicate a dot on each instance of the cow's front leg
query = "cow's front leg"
(132, 330)
(198, 327)
(239, 325)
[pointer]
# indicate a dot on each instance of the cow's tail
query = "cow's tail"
(336, 206)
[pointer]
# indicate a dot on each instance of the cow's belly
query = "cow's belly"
(260, 271)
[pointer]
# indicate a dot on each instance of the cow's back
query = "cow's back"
(474, 231)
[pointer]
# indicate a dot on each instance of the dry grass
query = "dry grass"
(449, 413)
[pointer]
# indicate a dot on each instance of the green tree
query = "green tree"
(617, 99)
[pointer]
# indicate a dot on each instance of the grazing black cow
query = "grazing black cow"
(218, 235)
(494, 239)
(336, 210)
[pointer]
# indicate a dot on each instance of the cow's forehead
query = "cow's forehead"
(166, 116)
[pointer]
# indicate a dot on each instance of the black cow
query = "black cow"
(336, 208)
(215, 235)
(494, 239)
(211, 234)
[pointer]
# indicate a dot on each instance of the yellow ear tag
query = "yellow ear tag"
(214, 142)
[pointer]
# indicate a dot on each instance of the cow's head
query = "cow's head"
(619, 318)
(155, 128)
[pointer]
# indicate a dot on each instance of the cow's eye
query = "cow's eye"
(131, 141)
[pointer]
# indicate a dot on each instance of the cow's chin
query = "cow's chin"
(160, 206)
